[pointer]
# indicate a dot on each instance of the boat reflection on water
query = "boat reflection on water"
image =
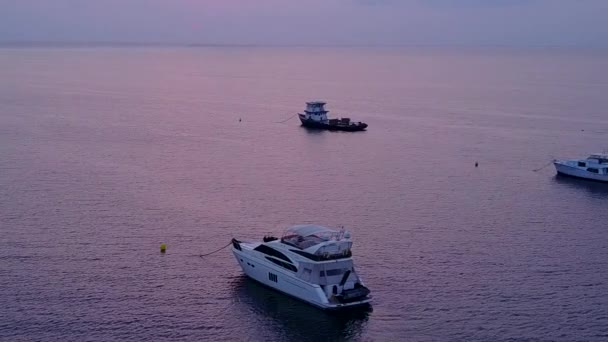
(280, 316)
(597, 189)
(312, 131)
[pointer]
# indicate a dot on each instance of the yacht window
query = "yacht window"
(593, 170)
(272, 252)
(333, 272)
(316, 257)
(582, 164)
(283, 264)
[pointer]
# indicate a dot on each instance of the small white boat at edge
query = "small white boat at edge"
(310, 262)
(595, 167)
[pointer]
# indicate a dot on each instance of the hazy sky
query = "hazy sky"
(377, 22)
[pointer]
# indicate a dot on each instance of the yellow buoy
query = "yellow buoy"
(163, 247)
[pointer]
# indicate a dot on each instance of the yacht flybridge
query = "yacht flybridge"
(310, 262)
(595, 167)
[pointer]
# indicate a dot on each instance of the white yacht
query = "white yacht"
(310, 262)
(595, 167)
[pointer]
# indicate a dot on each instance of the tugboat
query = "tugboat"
(315, 116)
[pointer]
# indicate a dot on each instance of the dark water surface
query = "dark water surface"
(107, 152)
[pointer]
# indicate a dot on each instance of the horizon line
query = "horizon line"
(59, 44)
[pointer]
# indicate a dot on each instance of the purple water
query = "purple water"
(107, 152)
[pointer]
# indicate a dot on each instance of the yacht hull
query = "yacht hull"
(285, 282)
(573, 171)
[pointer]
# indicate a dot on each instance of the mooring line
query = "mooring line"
(289, 118)
(217, 250)
(544, 166)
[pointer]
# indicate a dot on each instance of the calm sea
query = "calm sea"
(105, 153)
